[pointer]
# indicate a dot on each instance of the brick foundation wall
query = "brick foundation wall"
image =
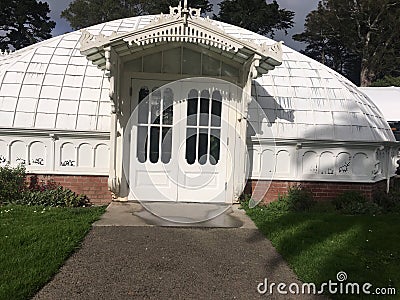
(95, 187)
(322, 191)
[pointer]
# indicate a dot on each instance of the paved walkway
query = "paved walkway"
(134, 258)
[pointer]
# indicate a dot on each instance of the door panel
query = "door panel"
(179, 142)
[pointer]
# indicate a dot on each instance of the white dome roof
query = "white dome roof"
(50, 85)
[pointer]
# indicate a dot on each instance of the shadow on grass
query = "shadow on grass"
(319, 245)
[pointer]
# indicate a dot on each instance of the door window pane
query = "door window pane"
(155, 102)
(192, 108)
(168, 111)
(216, 109)
(142, 144)
(204, 108)
(166, 146)
(215, 146)
(191, 140)
(203, 146)
(143, 105)
(154, 144)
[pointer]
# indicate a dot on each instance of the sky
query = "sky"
(300, 7)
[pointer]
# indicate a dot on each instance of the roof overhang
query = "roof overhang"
(182, 25)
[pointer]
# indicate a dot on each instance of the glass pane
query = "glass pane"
(192, 108)
(203, 146)
(215, 146)
(204, 108)
(143, 105)
(152, 63)
(211, 66)
(168, 110)
(155, 102)
(134, 65)
(166, 146)
(191, 136)
(154, 144)
(142, 144)
(172, 61)
(229, 71)
(191, 62)
(216, 108)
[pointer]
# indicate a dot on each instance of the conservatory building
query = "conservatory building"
(178, 107)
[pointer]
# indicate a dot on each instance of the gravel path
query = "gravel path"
(117, 262)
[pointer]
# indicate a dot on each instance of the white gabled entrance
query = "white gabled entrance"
(180, 147)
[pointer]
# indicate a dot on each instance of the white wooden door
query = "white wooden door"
(179, 149)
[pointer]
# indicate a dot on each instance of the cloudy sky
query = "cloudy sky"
(300, 7)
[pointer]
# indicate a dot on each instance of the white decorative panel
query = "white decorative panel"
(326, 163)
(68, 155)
(310, 163)
(37, 154)
(267, 163)
(361, 164)
(343, 163)
(254, 162)
(283, 162)
(101, 155)
(85, 155)
(18, 153)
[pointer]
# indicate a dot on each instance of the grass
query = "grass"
(35, 242)
(318, 245)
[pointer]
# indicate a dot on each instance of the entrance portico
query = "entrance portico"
(178, 88)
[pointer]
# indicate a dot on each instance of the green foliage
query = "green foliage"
(59, 197)
(354, 203)
(387, 81)
(12, 183)
(255, 15)
(15, 190)
(297, 199)
(355, 36)
(84, 13)
(23, 23)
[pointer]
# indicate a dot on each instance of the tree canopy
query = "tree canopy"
(84, 13)
(255, 15)
(356, 38)
(23, 22)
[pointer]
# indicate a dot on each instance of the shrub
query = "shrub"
(12, 183)
(389, 203)
(15, 189)
(59, 197)
(355, 203)
(297, 199)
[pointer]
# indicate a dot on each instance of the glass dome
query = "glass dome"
(51, 85)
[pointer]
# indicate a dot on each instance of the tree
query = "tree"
(23, 23)
(84, 13)
(388, 80)
(354, 37)
(255, 15)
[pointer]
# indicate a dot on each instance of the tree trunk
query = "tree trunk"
(367, 76)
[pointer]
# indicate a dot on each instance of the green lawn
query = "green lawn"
(35, 242)
(318, 245)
